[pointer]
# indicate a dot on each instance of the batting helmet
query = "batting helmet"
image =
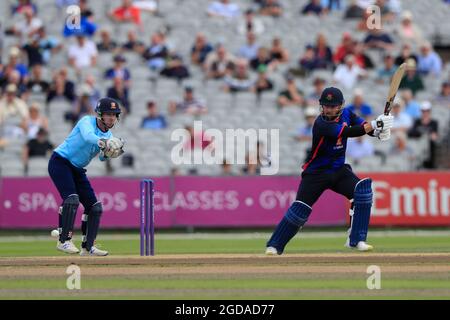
(107, 105)
(331, 97)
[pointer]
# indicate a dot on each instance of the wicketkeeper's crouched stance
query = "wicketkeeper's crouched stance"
(325, 168)
(88, 138)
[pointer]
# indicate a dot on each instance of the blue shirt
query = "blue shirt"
(328, 145)
(158, 122)
(80, 147)
(363, 111)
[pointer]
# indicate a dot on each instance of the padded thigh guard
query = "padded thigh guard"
(361, 211)
(93, 223)
(293, 220)
(68, 214)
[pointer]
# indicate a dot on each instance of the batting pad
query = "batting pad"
(68, 214)
(93, 223)
(293, 220)
(361, 216)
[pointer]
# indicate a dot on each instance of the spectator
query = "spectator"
(86, 23)
(37, 147)
(319, 86)
(49, 45)
(14, 78)
(443, 98)
(240, 79)
(27, 27)
(291, 96)
(411, 80)
(407, 30)
(402, 120)
(426, 126)
(219, 63)
(200, 49)
(385, 73)
(361, 58)
(345, 48)
(33, 51)
(223, 9)
(313, 7)
(308, 62)
(304, 133)
(346, 75)
(401, 149)
(255, 159)
(377, 39)
(82, 54)
(157, 52)
(36, 121)
(359, 148)
(23, 5)
(363, 25)
(154, 120)
(15, 63)
(262, 82)
(82, 107)
(126, 13)
(359, 107)
(387, 15)
(278, 52)
(227, 169)
(412, 107)
(250, 49)
(263, 58)
(95, 92)
(133, 43)
(271, 8)
(189, 104)
(322, 53)
(174, 68)
(36, 84)
(61, 87)
(120, 92)
(250, 24)
(332, 5)
(354, 11)
(106, 44)
(429, 61)
(119, 71)
(13, 113)
(405, 54)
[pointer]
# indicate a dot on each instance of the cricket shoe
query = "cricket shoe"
(271, 251)
(93, 252)
(67, 247)
(361, 246)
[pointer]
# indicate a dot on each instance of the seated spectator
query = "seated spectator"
(36, 84)
(61, 87)
(82, 54)
(157, 52)
(412, 107)
(359, 148)
(385, 73)
(402, 150)
(119, 71)
(200, 49)
(120, 92)
(332, 5)
(106, 44)
(304, 133)
(174, 68)
(313, 7)
(405, 54)
(353, 10)
(33, 51)
(291, 96)
(363, 25)
(24, 5)
(443, 98)
(223, 9)
(14, 78)
(402, 120)
(15, 63)
(345, 48)
(378, 39)
(262, 83)
(263, 58)
(313, 97)
(27, 27)
(126, 13)
(426, 126)
(429, 61)
(271, 8)
(219, 63)
(37, 147)
(278, 52)
(250, 49)
(407, 30)
(13, 114)
(49, 45)
(189, 104)
(361, 58)
(322, 53)
(82, 107)
(250, 24)
(133, 43)
(89, 82)
(387, 15)
(153, 120)
(308, 62)
(240, 79)
(36, 121)
(359, 107)
(346, 75)
(411, 80)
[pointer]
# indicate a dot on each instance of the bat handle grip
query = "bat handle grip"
(387, 108)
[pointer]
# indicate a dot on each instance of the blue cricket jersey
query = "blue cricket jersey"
(328, 145)
(80, 147)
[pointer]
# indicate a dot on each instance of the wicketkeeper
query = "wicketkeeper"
(91, 136)
(325, 168)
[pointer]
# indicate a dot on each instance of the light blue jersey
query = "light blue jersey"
(80, 147)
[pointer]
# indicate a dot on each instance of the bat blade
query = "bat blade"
(395, 83)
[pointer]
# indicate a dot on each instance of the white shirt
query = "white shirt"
(347, 77)
(402, 120)
(229, 10)
(358, 150)
(83, 55)
(26, 28)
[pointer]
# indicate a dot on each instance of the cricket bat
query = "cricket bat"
(395, 82)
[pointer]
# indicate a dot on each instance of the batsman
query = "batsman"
(325, 168)
(90, 137)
